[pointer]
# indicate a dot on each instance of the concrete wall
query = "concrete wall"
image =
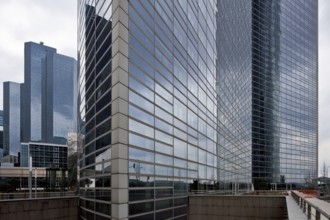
(237, 207)
(43, 209)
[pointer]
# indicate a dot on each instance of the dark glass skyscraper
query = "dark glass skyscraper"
(42, 109)
(177, 96)
(1, 118)
(47, 95)
(233, 78)
(268, 70)
(11, 118)
(32, 91)
(58, 102)
(1, 133)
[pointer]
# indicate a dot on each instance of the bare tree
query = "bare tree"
(324, 169)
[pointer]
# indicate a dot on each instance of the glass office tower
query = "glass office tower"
(148, 106)
(58, 102)
(34, 69)
(285, 90)
(1, 133)
(48, 109)
(1, 118)
(268, 69)
(11, 118)
(233, 78)
(173, 98)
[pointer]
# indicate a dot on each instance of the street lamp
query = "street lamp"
(35, 181)
(30, 176)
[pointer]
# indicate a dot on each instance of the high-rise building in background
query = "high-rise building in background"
(58, 99)
(233, 79)
(268, 83)
(32, 91)
(1, 134)
(11, 118)
(177, 96)
(47, 94)
(41, 110)
(1, 118)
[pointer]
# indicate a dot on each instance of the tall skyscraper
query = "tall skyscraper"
(58, 99)
(32, 91)
(1, 132)
(1, 118)
(233, 78)
(270, 76)
(42, 109)
(11, 118)
(177, 96)
(47, 95)
(1, 135)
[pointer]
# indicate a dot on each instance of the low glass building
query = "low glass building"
(44, 155)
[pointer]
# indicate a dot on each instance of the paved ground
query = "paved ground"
(294, 212)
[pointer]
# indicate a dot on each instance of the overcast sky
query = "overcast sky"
(51, 21)
(54, 23)
(324, 81)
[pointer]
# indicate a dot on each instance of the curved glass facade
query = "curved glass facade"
(284, 95)
(172, 104)
(267, 77)
(94, 117)
(234, 91)
(299, 91)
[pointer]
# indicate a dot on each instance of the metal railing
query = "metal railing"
(217, 192)
(311, 210)
(25, 195)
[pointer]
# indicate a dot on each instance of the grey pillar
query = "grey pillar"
(119, 122)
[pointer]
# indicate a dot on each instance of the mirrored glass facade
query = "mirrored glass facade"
(48, 107)
(172, 104)
(34, 68)
(1, 118)
(58, 104)
(179, 96)
(1, 134)
(44, 155)
(267, 77)
(233, 77)
(11, 118)
(284, 90)
(94, 117)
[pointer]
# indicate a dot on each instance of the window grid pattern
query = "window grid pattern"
(94, 45)
(48, 155)
(234, 92)
(284, 90)
(172, 105)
